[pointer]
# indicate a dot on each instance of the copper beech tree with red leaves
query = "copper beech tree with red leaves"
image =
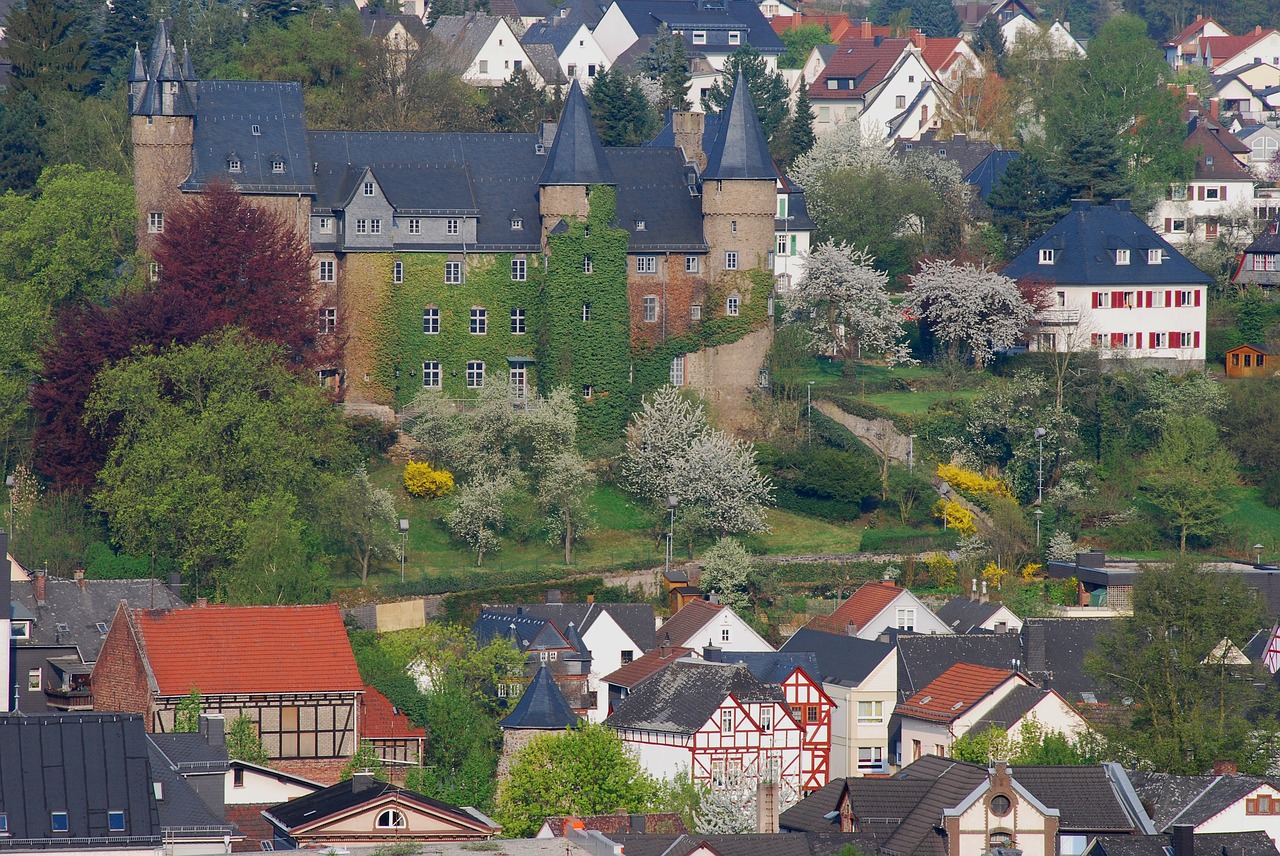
(223, 263)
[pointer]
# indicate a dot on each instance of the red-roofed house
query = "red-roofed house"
(290, 669)
(951, 59)
(1219, 201)
(1229, 53)
(878, 606)
(620, 681)
(393, 736)
(968, 697)
(700, 623)
(883, 84)
(1183, 48)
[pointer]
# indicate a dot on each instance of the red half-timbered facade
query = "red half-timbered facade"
(811, 708)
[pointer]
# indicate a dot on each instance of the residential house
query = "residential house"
(61, 626)
(288, 668)
(621, 681)
(1219, 201)
(701, 623)
(1058, 39)
(1184, 48)
(1183, 841)
(717, 723)
(968, 698)
(1260, 261)
(613, 633)
(1264, 144)
(837, 25)
(877, 606)
(562, 651)
(401, 34)
(976, 615)
(798, 674)
(1225, 802)
(394, 739)
(1227, 53)
(950, 59)
(366, 812)
(1117, 286)
(1250, 360)
(189, 771)
(523, 14)
(860, 677)
(249, 789)
(941, 807)
(981, 164)
(972, 14)
(1248, 95)
(883, 84)
(779, 9)
(541, 709)
(793, 230)
(652, 823)
(745, 844)
(486, 48)
(569, 33)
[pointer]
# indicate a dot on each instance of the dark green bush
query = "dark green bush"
(371, 436)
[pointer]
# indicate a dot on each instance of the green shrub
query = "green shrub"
(371, 436)
(906, 540)
(103, 563)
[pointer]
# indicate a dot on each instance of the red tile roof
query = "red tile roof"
(938, 53)
(1222, 48)
(865, 61)
(380, 720)
(248, 649)
(954, 692)
(642, 667)
(255, 827)
(860, 608)
(1192, 29)
(839, 25)
(655, 823)
(691, 618)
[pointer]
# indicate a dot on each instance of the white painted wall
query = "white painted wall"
(497, 60)
(614, 33)
(1053, 713)
(727, 632)
(583, 53)
(1077, 302)
(262, 788)
(1238, 205)
(1235, 819)
(881, 106)
(1266, 49)
(663, 762)
(606, 641)
(921, 618)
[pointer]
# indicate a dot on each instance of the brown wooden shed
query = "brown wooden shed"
(1249, 360)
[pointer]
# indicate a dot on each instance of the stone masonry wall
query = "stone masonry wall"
(161, 162)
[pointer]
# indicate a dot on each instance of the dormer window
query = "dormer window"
(1046, 257)
(517, 223)
(735, 38)
(1155, 257)
(1122, 257)
(1208, 161)
(233, 164)
(640, 225)
(832, 83)
(368, 188)
(256, 130)
(942, 153)
(277, 166)
(699, 37)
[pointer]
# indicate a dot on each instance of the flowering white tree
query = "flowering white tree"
(479, 515)
(842, 288)
(965, 305)
(726, 570)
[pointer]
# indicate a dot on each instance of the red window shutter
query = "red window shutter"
(1222, 193)
(1200, 193)
(1095, 300)
(1139, 341)
(1168, 298)
(1168, 224)
(1117, 340)
(1197, 341)
(1117, 300)
(1177, 299)
(1175, 340)
(1197, 297)
(1151, 337)
(1093, 339)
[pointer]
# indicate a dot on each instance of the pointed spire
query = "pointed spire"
(542, 706)
(159, 48)
(739, 149)
(138, 71)
(188, 70)
(576, 157)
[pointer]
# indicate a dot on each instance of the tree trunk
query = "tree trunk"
(568, 537)
(1182, 544)
(364, 567)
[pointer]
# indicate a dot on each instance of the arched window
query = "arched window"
(1001, 839)
(390, 819)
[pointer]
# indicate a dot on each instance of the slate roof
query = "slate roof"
(379, 26)
(546, 62)
(1055, 651)
(860, 608)
(682, 697)
(988, 173)
(739, 149)
(645, 16)
(576, 156)
(542, 707)
(746, 844)
(635, 619)
(963, 614)
(85, 764)
(772, 667)
(1010, 709)
(465, 34)
(922, 658)
(81, 610)
(691, 618)
(1172, 799)
(918, 835)
(842, 660)
(182, 810)
(1085, 241)
(558, 30)
(525, 632)
(248, 649)
(954, 692)
(190, 752)
(965, 153)
(357, 791)
(642, 667)
(1256, 843)
(1268, 241)
(1084, 797)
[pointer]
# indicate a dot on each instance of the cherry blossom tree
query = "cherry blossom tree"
(848, 300)
(968, 307)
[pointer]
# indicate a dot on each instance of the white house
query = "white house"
(253, 784)
(580, 56)
(1220, 199)
(861, 677)
(1061, 43)
(701, 623)
(1225, 54)
(1184, 48)
(486, 47)
(711, 31)
(793, 229)
(1223, 802)
(1117, 286)
(884, 84)
(876, 607)
(976, 614)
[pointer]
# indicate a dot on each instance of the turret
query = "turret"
(576, 161)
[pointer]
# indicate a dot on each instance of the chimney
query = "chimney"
(40, 588)
(202, 602)
(78, 573)
(688, 128)
(1213, 109)
(711, 654)
(553, 596)
(959, 138)
(918, 39)
(1224, 767)
(864, 31)
(1120, 204)
(175, 584)
(888, 583)
(1184, 839)
(768, 797)
(1081, 205)
(1033, 646)
(973, 592)
(983, 599)
(213, 728)
(851, 629)
(362, 781)
(1002, 627)
(1257, 29)
(1066, 25)
(1091, 559)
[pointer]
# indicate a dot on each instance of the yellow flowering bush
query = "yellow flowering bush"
(420, 479)
(1030, 571)
(970, 482)
(955, 516)
(994, 574)
(941, 570)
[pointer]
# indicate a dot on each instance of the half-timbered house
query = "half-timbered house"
(717, 721)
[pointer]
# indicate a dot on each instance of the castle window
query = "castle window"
(517, 322)
(650, 304)
(324, 225)
(233, 164)
(256, 130)
(587, 266)
(691, 264)
(397, 271)
(733, 226)
(431, 374)
(677, 371)
(731, 260)
(326, 272)
(453, 273)
(277, 166)
(586, 312)
(695, 312)
(362, 226)
(519, 270)
(475, 374)
(375, 226)
(479, 321)
(646, 264)
(587, 392)
(431, 320)
(328, 319)
(731, 307)
(415, 226)
(155, 222)
(368, 188)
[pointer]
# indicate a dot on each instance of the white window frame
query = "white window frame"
(1046, 256)
(518, 319)
(475, 374)
(1211, 194)
(1159, 340)
(519, 270)
(726, 721)
(782, 245)
(390, 818)
(375, 226)
(699, 37)
(35, 680)
(646, 264)
(732, 305)
(277, 166)
(155, 223)
(328, 319)
(724, 634)
(415, 225)
(431, 319)
(1178, 225)
(905, 618)
(870, 712)
(677, 371)
(113, 816)
(362, 226)
(1122, 257)
(588, 266)
(517, 224)
(324, 225)
(735, 37)
(870, 757)
(452, 226)
(431, 374)
(649, 305)
(397, 271)
(731, 260)
(369, 188)
(1188, 298)
(695, 312)
(479, 321)
(1155, 256)
(234, 165)
(586, 313)
(692, 264)
(453, 273)
(766, 719)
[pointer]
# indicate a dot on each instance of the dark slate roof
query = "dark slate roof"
(653, 186)
(810, 813)
(1174, 799)
(181, 806)
(81, 610)
(576, 156)
(354, 792)
(636, 619)
(988, 173)
(917, 834)
(746, 844)
(227, 111)
(1054, 655)
(717, 20)
(465, 34)
(739, 149)
(922, 658)
(683, 696)
(546, 62)
(1256, 843)
(1085, 241)
(962, 614)
(557, 30)
(379, 26)
(85, 764)
(1083, 796)
(542, 707)
(525, 632)
(967, 154)
(1268, 241)
(772, 667)
(190, 752)
(842, 660)
(1010, 709)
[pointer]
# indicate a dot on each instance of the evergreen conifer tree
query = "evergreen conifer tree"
(800, 128)
(48, 52)
(668, 64)
(517, 105)
(988, 41)
(622, 114)
(932, 17)
(1090, 162)
(1026, 202)
(768, 90)
(126, 23)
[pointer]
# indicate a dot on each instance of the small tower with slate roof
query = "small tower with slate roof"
(162, 107)
(575, 162)
(541, 710)
(739, 196)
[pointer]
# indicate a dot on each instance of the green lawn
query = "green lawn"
(914, 403)
(1256, 521)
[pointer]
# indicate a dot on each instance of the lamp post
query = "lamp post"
(10, 482)
(1038, 514)
(1040, 432)
(404, 539)
(911, 454)
(1257, 551)
(945, 490)
(672, 502)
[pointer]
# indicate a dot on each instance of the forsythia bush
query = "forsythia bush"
(941, 570)
(955, 516)
(421, 480)
(1031, 570)
(994, 574)
(971, 482)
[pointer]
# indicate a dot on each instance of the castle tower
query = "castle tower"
(576, 161)
(739, 197)
(162, 106)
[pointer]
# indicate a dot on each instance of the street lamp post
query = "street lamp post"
(1038, 514)
(404, 540)
(1040, 432)
(945, 490)
(1257, 551)
(672, 502)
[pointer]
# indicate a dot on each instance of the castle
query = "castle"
(451, 260)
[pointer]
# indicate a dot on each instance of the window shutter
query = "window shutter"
(1177, 299)
(1117, 300)
(1168, 298)
(1139, 341)
(1222, 193)
(1093, 339)
(1150, 298)
(1168, 224)
(1200, 193)
(1117, 340)
(1097, 299)
(1197, 339)
(1151, 337)
(1197, 297)
(1175, 340)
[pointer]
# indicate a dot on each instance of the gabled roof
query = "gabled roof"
(683, 697)
(576, 155)
(1054, 654)
(1256, 843)
(963, 614)
(381, 720)
(680, 628)
(745, 844)
(1219, 49)
(465, 35)
(953, 693)
(772, 667)
(542, 707)
(740, 150)
(525, 632)
(1217, 150)
(986, 174)
(922, 658)
(379, 26)
(717, 18)
(642, 667)
(1191, 800)
(248, 649)
(1010, 709)
(546, 62)
(559, 29)
(85, 764)
(315, 809)
(952, 782)
(635, 619)
(859, 609)
(1194, 28)
(1084, 797)
(965, 153)
(842, 660)
(939, 52)
(1084, 243)
(863, 63)
(182, 810)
